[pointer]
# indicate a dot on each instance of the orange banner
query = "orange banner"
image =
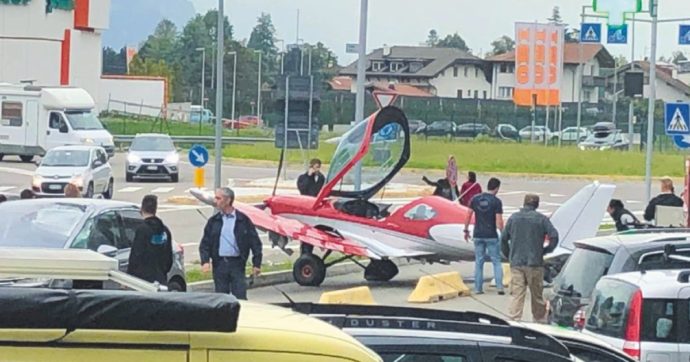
(538, 63)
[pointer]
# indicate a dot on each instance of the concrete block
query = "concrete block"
(434, 288)
(360, 296)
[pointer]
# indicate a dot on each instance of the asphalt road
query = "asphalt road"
(186, 221)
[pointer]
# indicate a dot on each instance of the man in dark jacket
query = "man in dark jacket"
(523, 241)
(665, 198)
(624, 219)
(311, 182)
(443, 188)
(228, 238)
(151, 256)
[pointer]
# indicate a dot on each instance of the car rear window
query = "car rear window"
(582, 271)
(608, 311)
(656, 261)
(659, 322)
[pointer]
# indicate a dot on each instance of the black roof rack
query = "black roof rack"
(421, 319)
(40, 308)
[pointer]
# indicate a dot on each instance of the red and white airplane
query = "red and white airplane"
(345, 219)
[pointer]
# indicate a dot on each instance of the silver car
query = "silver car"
(101, 225)
(152, 156)
(85, 166)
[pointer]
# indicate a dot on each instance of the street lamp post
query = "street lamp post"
(220, 44)
(203, 84)
(362, 61)
(234, 81)
(258, 90)
(654, 12)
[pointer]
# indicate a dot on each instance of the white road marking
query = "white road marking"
(633, 202)
(556, 195)
(162, 190)
(129, 189)
(550, 203)
(509, 193)
(17, 171)
(7, 188)
(187, 245)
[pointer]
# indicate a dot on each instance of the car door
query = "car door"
(103, 171)
(131, 220)
(58, 132)
(683, 318)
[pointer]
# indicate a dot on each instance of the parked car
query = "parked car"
(645, 314)
(196, 115)
(605, 136)
(570, 134)
(152, 156)
(417, 334)
(472, 130)
(597, 257)
(85, 166)
(243, 122)
(506, 131)
(105, 226)
(539, 133)
(416, 125)
(440, 128)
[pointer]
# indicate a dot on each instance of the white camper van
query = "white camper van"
(35, 119)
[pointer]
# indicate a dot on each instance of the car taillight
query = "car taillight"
(632, 329)
(579, 318)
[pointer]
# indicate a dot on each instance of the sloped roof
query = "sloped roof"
(571, 55)
(344, 83)
(436, 60)
(663, 74)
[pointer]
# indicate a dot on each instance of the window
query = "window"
(655, 261)
(418, 357)
(55, 120)
(466, 68)
(415, 67)
(582, 271)
(377, 66)
(131, 220)
(476, 72)
(476, 94)
(421, 213)
(609, 309)
(460, 93)
(455, 71)
(506, 68)
(587, 95)
(11, 114)
(397, 66)
(505, 92)
(658, 317)
(485, 94)
(105, 231)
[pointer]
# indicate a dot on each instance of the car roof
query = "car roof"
(632, 241)
(95, 204)
(654, 283)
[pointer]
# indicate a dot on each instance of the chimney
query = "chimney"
(386, 50)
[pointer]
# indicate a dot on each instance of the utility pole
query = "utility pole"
(220, 43)
(258, 91)
(654, 12)
(580, 75)
(362, 61)
(203, 84)
(234, 81)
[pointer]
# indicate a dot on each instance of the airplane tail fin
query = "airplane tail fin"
(580, 216)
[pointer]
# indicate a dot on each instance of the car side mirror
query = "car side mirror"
(107, 250)
(64, 128)
(97, 163)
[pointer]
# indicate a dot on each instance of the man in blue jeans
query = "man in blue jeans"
(488, 211)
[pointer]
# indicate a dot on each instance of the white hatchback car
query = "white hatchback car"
(85, 166)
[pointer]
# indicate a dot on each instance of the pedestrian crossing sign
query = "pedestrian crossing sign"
(590, 33)
(677, 117)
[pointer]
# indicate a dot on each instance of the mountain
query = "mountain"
(132, 21)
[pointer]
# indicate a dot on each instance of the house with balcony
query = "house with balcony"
(671, 85)
(442, 72)
(593, 58)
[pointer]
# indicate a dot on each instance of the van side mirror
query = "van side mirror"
(64, 128)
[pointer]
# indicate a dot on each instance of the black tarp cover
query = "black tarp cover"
(29, 308)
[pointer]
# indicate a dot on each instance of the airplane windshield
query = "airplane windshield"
(385, 151)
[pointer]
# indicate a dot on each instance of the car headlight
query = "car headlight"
(88, 141)
(78, 181)
(582, 148)
(172, 158)
(133, 159)
(37, 181)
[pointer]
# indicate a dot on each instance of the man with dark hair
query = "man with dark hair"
(469, 189)
(488, 211)
(151, 256)
(228, 238)
(311, 182)
(624, 219)
(27, 194)
(523, 241)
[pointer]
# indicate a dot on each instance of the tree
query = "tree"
(433, 39)
(114, 63)
(162, 44)
(556, 16)
(151, 67)
(678, 57)
(621, 61)
(502, 45)
(263, 39)
(453, 41)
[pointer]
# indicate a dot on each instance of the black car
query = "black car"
(506, 131)
(417, 334)
(416, 125)
(472, 130)
(439, 128)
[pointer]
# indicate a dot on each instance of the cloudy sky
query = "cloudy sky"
(407, 22)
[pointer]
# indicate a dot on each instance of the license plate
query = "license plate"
(152, 168)
(55, 187)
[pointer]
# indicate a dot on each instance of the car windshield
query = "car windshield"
(582, 271)
(23, 225)
(159, 144)
(609, 308)
(84, 120)
(66, 158)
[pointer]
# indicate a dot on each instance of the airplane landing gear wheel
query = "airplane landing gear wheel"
(380, 271)
(309, 270)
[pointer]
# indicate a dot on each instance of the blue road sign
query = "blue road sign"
(681, 141)
(618, 34)
(676, 119)
(590, 33)
(198, 156)
(684, 37)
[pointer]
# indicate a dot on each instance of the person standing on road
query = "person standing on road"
(228, 238)
(666, 198)
(488, 211)
(624, 219)
(469, 189)
(151, 256)
(523, 241)
(311, 182)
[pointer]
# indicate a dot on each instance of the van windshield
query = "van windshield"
(83, 120)
(582, 271)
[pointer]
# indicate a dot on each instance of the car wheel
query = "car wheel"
(89, 191)
(26, 159)
(129, 177)
(108, 194)
(309, 270)
(175, 178)
(176, 285)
